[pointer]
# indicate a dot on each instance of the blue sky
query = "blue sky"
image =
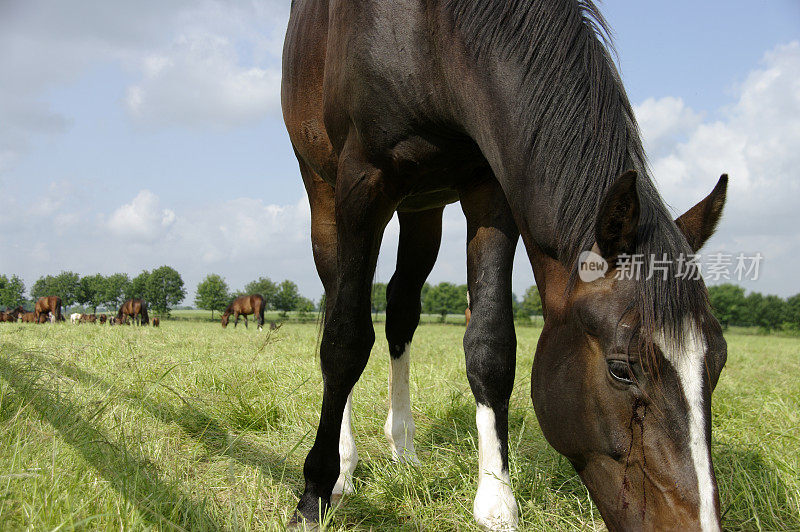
(136, 136)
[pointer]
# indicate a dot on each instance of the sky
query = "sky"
(137, 134)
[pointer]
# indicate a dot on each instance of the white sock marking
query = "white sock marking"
(689, 366)
(495, 507)
(399, 426)
(348, 454)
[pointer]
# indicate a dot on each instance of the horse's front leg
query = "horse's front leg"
(490, 346)
(235, 319)
(420, 236)
(323, 245)
(362, 212)
(245, 320)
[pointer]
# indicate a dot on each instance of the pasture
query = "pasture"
(192, 427)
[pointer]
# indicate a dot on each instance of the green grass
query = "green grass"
(192, 427)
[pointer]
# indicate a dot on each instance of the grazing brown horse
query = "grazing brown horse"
(136, 310)
(48, 304)
(29, 317)
(156, 322)
(88, 318)
(102, 318)
(516, 110)
(244, 305)
(11, 315)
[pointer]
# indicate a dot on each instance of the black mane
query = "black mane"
(581, 134)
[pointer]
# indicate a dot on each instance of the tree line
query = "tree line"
(448, 298)
(162, 288)
(213, 294)
(732, 307)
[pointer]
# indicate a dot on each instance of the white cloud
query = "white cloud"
(200, 81)
(664, 122)
(755, 141)
(200, 62)
(244, 229)
(142, 219)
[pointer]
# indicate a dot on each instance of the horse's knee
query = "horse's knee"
(344, 351)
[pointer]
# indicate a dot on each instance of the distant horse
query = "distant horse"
(102, 318)
(136, 310)
(75, 318)
(11, 315)
(29, 317)
(244, 305)
(516, 110)
(156, 322)
(51, 304)
(88, 318)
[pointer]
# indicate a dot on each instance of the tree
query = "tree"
(92, 291)
(265, 287)
(41, 287)
(531, 302)
(137, 288)
(445, 298)
(753, 303)
(793, 310)
(305, 305)
(164, 289)
(212, 294)
(287, 296)
(728, 303)
(116, 290)
(12, 291)
(66, 285)
(772, 313)
(378, 298)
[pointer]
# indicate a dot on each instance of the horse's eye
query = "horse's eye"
(620, 370)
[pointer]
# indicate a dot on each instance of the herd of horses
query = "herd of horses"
(48, 310)
(132, 311)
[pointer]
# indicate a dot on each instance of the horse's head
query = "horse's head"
(629, 407)
(225, 320)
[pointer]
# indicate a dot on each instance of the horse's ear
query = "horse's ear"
(698, 223)
(618, 219)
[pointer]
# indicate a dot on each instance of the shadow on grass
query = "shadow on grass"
(214, 437)
(133, 476)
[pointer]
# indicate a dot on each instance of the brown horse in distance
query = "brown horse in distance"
(30, 317)
(244, 305)
(136, 309)
(156, 322)
(48, 304)
(11, 315)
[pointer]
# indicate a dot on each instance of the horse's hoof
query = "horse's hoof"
(298, 523)
(336, 499)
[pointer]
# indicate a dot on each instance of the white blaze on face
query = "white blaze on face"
(495, 507)
(690, 364)
(399, 426)
(348, 455)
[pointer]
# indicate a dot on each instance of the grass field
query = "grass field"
(192, 427)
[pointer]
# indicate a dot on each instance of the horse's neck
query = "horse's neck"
(554, 137)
